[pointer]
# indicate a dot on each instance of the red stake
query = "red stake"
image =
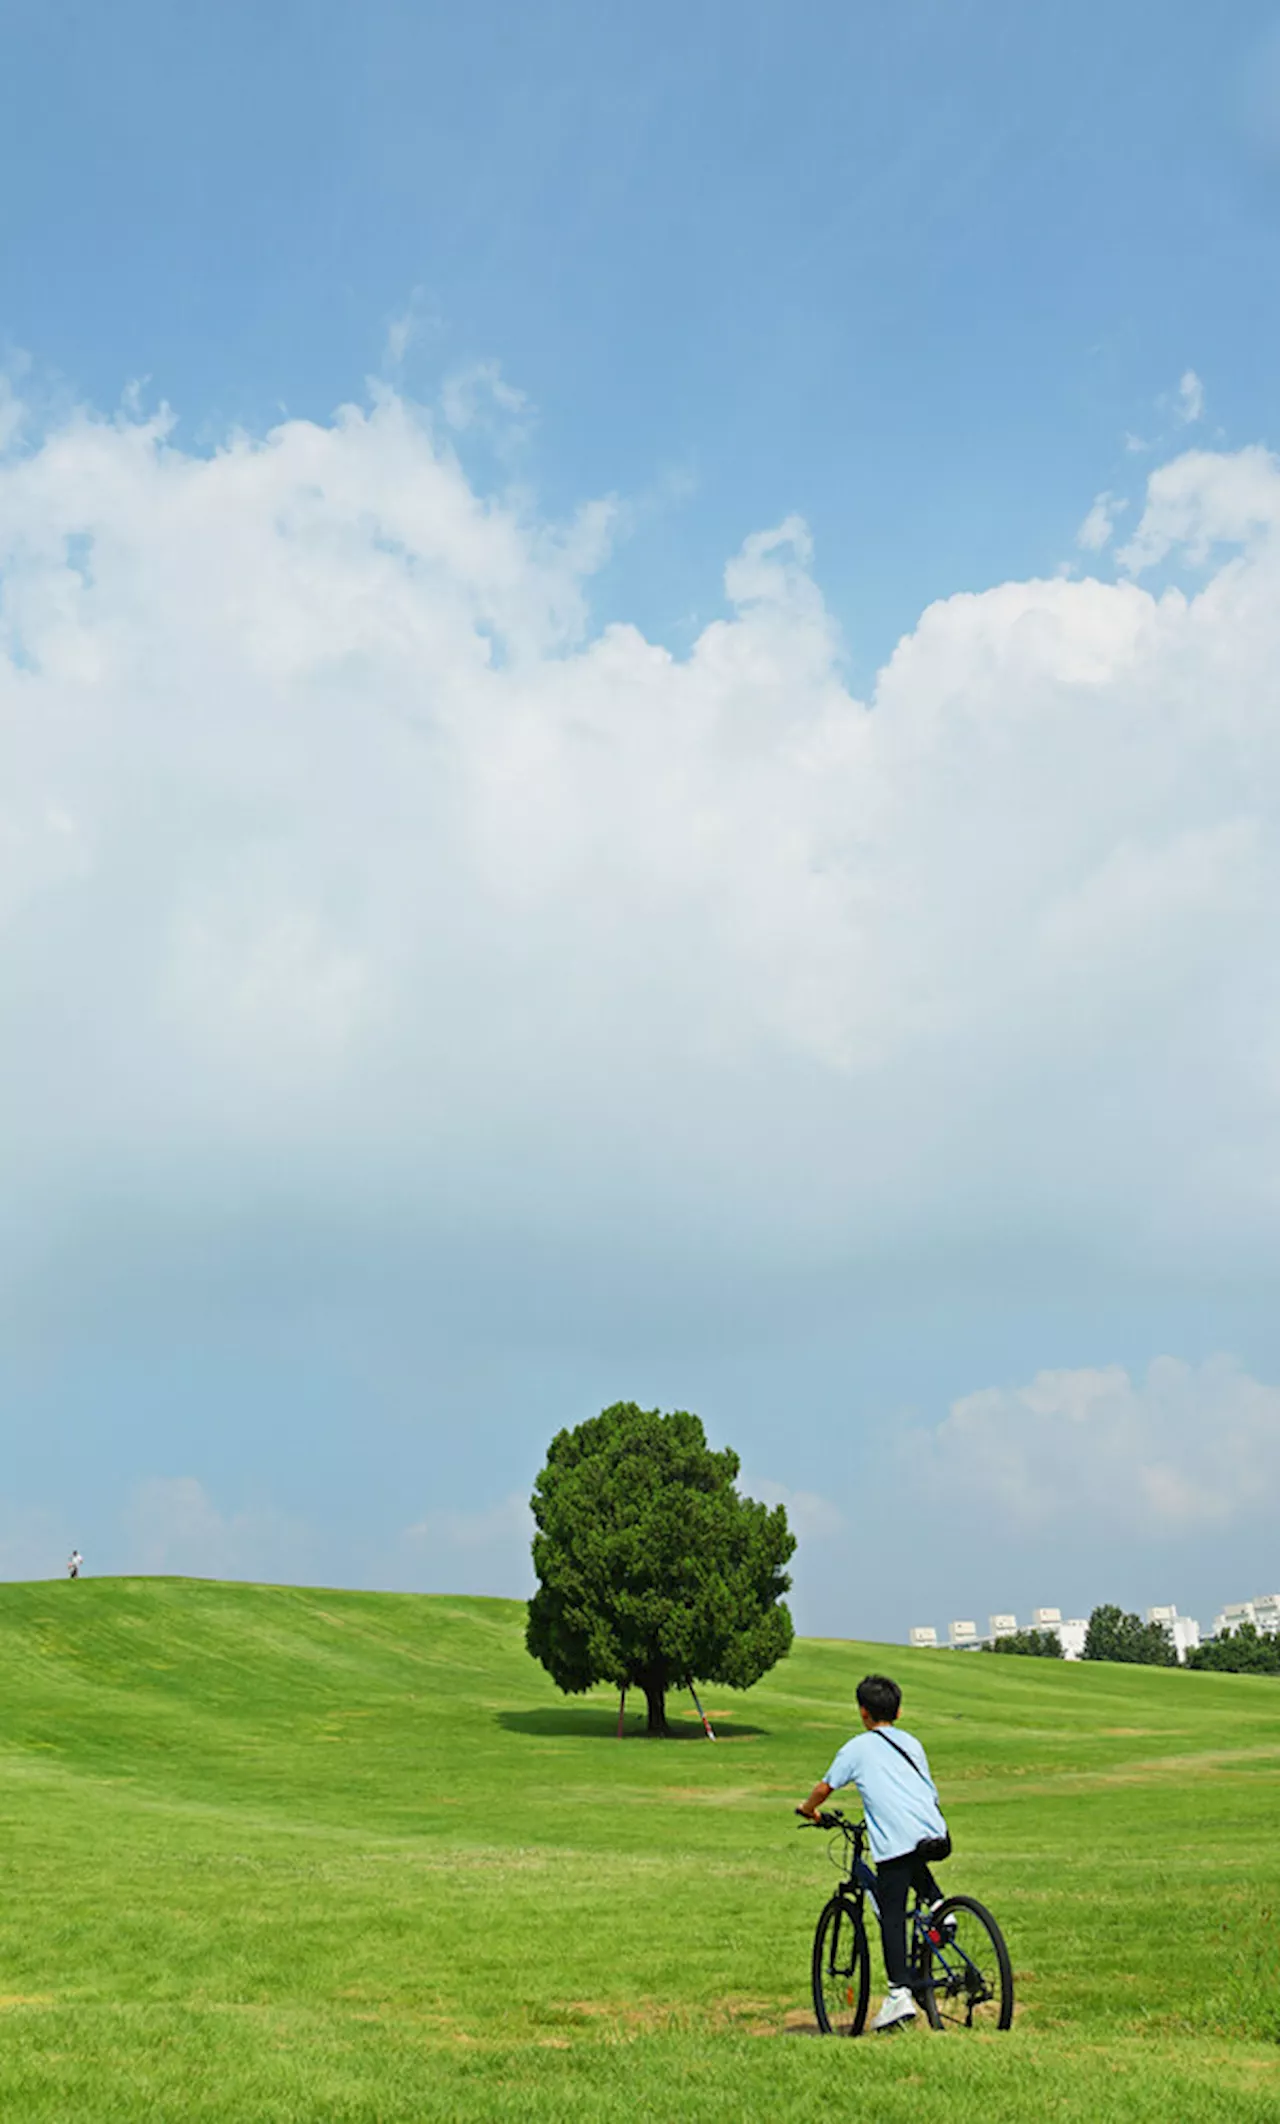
(706, 1723)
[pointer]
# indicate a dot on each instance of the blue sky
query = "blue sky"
(914, 272)
(412, 1052)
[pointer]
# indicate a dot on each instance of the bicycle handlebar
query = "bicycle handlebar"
(834, 1820)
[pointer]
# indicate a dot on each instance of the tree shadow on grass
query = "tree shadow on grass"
(595, 1722)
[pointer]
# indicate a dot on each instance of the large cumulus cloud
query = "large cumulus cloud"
(334, 834)
(1183, 1451)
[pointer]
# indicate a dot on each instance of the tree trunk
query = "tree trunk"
(655, 1695)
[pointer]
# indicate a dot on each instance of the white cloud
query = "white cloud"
(173, 1527)
(1190, 404)
(400, 334)
(1185, 1449)
(1095, 532)
(480, 396)
(13, 415)
(337, 848)
(414, 323)
(1206, 499)
(810, 1516)
(474, 1552)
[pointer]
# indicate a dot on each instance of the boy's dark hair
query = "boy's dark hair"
(880, 1696)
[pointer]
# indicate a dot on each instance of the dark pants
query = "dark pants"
(893, 1878)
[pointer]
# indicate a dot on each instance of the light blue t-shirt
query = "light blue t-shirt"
(900, 1803)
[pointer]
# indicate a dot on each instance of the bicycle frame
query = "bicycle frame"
(861, 1877)
(959, 1973)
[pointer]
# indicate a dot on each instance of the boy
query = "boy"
(900, 1802)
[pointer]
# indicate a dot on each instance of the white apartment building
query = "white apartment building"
(1184, 1632)
(1235, 1613)
(965, 1636)
(1263, 1613)
(1070, 1634)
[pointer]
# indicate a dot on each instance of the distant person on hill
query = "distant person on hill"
(74, 1562)
(904, 1825)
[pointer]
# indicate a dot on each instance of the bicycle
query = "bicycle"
(958, 1964)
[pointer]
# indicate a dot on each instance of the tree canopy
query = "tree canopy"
(1115, 1635)
(652, 1571)
(1247, 1650)
(1033, 1644)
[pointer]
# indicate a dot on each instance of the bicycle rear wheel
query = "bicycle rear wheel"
(841, 1969)
(965, 1977)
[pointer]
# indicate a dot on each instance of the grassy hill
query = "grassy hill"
(272, 1854)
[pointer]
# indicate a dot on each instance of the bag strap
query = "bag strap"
(902, 1752)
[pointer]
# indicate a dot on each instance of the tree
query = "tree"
(1035, 1644)
(1247, 1650)
(652, 1571)
(1113, 1634)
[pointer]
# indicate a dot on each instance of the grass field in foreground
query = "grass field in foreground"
(273, 1854)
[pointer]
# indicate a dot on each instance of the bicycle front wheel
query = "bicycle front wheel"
(841, 1969)
(966, 1978)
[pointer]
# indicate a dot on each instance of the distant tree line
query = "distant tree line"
(1247, 1650)
(1117, 1635)
(1112, 1634)
(1032, 1644)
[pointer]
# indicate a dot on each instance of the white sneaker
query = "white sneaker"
(898, 2006)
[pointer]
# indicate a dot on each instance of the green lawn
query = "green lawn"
(273, 1854)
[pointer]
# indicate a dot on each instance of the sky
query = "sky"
(640, 759)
